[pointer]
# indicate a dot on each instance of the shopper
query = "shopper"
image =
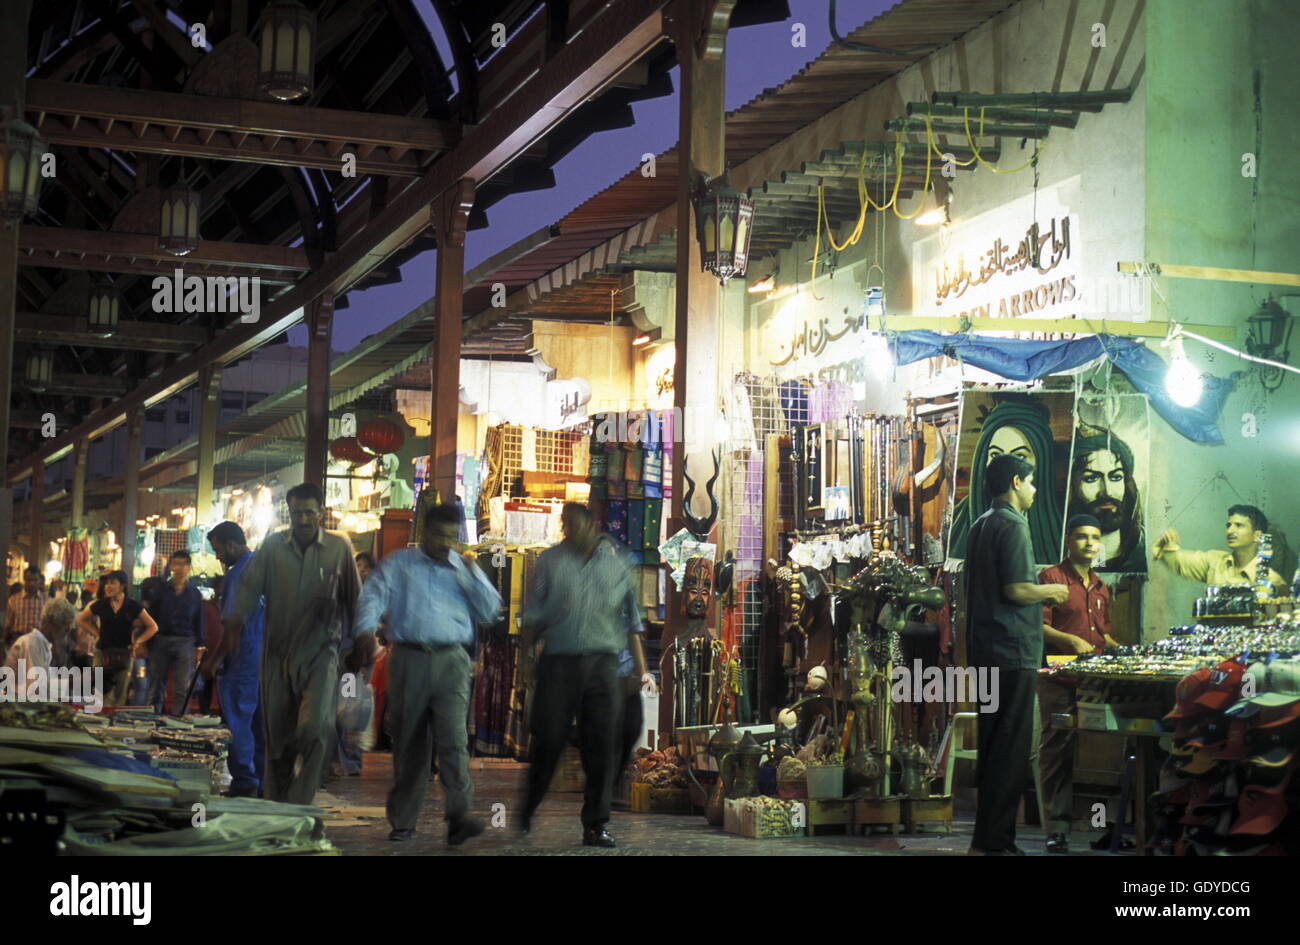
(1078, 626)
(583, 606)
(365, 565)
(1005, 639)
(34, 650)
(23, 612)
(237, 658)
(119, 629)
(309, 582)
(434, 598)
(178, 610)
(1237, 565)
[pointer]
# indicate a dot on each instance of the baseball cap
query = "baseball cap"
(1201, 763)
(1249, 708)
(1233, 747)
(1223, 687)
(1189, 690)
(1259, 812)
(1278, 716)
(1213, 733)
(1272, 770)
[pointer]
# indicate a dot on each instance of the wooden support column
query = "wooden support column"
(13, 66)
(320, 325)
(699, 29)
(34, 529)
(209, 401)
(451, 216)
(131, 493)
(80, 456)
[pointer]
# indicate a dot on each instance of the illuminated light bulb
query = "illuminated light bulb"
(932, 217)
(1183, 382)
(52, 568)
(877, 358)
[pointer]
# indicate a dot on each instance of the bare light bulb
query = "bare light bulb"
(1183, 382)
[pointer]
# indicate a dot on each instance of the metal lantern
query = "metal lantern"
(21, 151)
(179, 230)
(1270, 332)
(102, 311)
(287, 41)
(723, 220)
(380, 436)
(40, 369)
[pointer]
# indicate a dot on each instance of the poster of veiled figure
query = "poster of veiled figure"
(1035, 425)
(1109, 473)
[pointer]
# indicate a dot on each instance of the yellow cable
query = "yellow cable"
(862, 208)
(925, 188)
(1038, 147)
(934, 145)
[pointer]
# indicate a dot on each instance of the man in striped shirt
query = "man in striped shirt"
(23, 612)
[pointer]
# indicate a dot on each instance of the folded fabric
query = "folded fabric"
(616, 520)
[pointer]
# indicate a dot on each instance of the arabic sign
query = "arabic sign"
(1021, 260)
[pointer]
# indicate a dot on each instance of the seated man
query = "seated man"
(34, 650)
(1234, 566)
(1080, 625)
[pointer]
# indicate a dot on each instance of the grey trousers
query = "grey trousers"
(1057, 757)
(299, 704)
(428, 699)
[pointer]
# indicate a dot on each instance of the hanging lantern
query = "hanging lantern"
(723, 221)
(102, 311)
(179, 231)
(40, 370)
(21, 151)
(287, 42)
(380, 436)
(348, 450)
(1269, 332)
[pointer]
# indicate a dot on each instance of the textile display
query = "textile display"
(1023, 360)
(1109, 476)
(76, 555)
(1037, 426)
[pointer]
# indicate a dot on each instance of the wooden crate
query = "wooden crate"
(829, 813)
(569, 778)
(932, 810)
(652, 800)
(873, 811)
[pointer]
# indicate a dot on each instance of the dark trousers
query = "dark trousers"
(1002, 767)
(174, 655)
(633, 723)
(589, 688)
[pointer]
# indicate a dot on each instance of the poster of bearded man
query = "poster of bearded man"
(1109, 475)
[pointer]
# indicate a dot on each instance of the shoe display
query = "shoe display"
(598, 837)
(461, 830)
(1057, 843)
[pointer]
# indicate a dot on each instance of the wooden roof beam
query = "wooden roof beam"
(40, 328)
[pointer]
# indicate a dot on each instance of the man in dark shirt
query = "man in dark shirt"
(178, 609)
(111, 623)
(1004, 623)
(1080, 625)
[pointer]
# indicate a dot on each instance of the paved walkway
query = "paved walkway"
(357, 826)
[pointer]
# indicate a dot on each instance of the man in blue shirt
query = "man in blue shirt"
(177, 608)
(238, 659)
(432, 598)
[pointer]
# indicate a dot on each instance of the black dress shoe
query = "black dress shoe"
(463, 829)
(1057, 843)
(1014, 850)
(399, 835)
(598, 837)
(525, 823)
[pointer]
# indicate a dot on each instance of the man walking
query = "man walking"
(583, 605)
(432, 598)
(23, 612)
(238, 659)
(1080, 625)
(309, 582)
(178, 610)
(1005, 638)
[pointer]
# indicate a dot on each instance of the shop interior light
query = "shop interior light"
(286, 41)
(1182, 381)
(646, 337)
(723, 225)
(39, 370)
(21, 154)
(877, 358)
(52, 569)
(939, 212)
(765, 284)
(102, 310)
(178, 231)
(721, 431)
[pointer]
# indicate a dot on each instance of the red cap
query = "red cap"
(1276, 718)
(1259, 812)
(1224, 686)
(1189, 690)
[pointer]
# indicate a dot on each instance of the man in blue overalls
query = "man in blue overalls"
(238, 660)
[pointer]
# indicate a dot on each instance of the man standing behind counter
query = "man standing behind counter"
(1079, 625)
(1235, 566)
(310, 584)
(1005, 634)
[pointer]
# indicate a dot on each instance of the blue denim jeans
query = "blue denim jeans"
(174, 655)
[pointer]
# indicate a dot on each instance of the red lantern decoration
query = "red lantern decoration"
(381, 436)
(348, 450)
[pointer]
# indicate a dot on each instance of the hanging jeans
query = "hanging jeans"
(241, 704)
(174, 655)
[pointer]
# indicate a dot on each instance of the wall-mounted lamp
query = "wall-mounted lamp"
(942, 201)
(647, 337)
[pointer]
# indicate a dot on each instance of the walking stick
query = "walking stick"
(194, 678)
